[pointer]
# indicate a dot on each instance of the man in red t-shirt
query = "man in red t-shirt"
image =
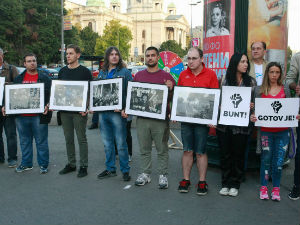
(194, 136)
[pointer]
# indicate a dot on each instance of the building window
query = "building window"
(144, 34)
(143, 48)
(90, 25)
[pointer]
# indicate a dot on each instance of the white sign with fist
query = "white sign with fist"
(235, 106)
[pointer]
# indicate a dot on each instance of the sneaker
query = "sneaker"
(233, 192)
(163, 182)
(276, 194)
(294, 193)
(21, 168)
(184, 186)
(202, 188)
(224, 191)
(82, 172)
(106, 174)
(43, 170)
(68, 169)
(263, 193)
(126, 176)
(93, 126)
(142, 179)
(129, 158)
(12, 164)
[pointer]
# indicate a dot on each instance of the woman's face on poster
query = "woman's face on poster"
(216, 16)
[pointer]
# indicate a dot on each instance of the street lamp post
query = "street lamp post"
(62, 35)
(192, 4)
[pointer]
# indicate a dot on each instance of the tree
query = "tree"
(88, 38)
(114, 35)
(73, 36)
(172, 46)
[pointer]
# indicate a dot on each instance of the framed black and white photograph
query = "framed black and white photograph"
(69, 95)
(24, 98)
(195, 105)
(147, 100)
(106, 94)
(2, 82)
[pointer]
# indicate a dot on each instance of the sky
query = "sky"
(184, 8)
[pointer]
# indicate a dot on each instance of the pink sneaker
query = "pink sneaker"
(276, 194)
(263, 193)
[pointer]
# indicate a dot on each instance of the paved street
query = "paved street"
(31, 198)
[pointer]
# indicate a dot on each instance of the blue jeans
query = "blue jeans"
(113, 129)
(194, 137)
(274, 147)
(9, 125)
(95, 118)
(29, 127)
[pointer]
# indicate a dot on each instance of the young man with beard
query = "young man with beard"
(148, 129)
(73, 120)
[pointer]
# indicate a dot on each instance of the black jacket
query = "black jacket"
(42, 78)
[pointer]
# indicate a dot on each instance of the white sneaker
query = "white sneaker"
(233, 192)
(143, 179)
(163, 182)
(129, 158)
(224, 191)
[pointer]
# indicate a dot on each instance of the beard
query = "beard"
(152, 65)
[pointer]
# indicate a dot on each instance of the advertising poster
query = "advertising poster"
(274, 112)
(267, 21)
(218, 35)
(235, 106)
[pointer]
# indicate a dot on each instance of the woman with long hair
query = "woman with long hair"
(274, 140)
(233, 139)
(217, 16)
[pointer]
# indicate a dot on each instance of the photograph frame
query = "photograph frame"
(163, 98)
(178, 90)
(62, 106)
(118, 106)
(2, 83)
(24, 98)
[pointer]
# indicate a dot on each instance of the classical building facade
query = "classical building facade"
(149, 24)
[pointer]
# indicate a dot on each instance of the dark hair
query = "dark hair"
(223, 13)
(265, 87)
(232, 70)
(199, 51)
(75, 47)
(152, 48)
(27, 55)
(262, 42)
(106, 58)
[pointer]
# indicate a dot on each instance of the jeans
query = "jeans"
(9, 125)
(274, 146)
(29, 127)
(113, 129)
(194, 137)
(158, 131)
(71, 122)
(232, 156)
(95, 118)
(297, 160)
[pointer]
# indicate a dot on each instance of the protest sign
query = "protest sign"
(276, 112)
(235, 106)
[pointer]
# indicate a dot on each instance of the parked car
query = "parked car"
(51, 73)
(135, 69)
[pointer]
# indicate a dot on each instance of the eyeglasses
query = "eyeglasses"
(192, 58)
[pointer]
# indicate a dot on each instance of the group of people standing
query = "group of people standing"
(266, 79)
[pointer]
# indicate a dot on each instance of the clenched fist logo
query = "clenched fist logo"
(276, 106)
(236, 99)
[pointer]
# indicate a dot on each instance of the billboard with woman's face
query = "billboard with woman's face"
(218, 40)
(267, 21)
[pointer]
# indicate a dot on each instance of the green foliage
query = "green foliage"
(88, 38)
(73, 36)
(114, 35)
(172, 46)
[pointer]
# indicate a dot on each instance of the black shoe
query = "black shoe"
(2, 161)
(184, 186)
(126, 176)
(68, 169)
(294, 193)
(202, 188)
(82, 172)
(93, 126)
(106, 174)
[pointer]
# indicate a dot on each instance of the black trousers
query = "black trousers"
(232, 157)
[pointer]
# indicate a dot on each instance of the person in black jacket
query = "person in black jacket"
(34, 125)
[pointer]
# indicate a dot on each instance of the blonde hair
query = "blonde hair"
(265, 87)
